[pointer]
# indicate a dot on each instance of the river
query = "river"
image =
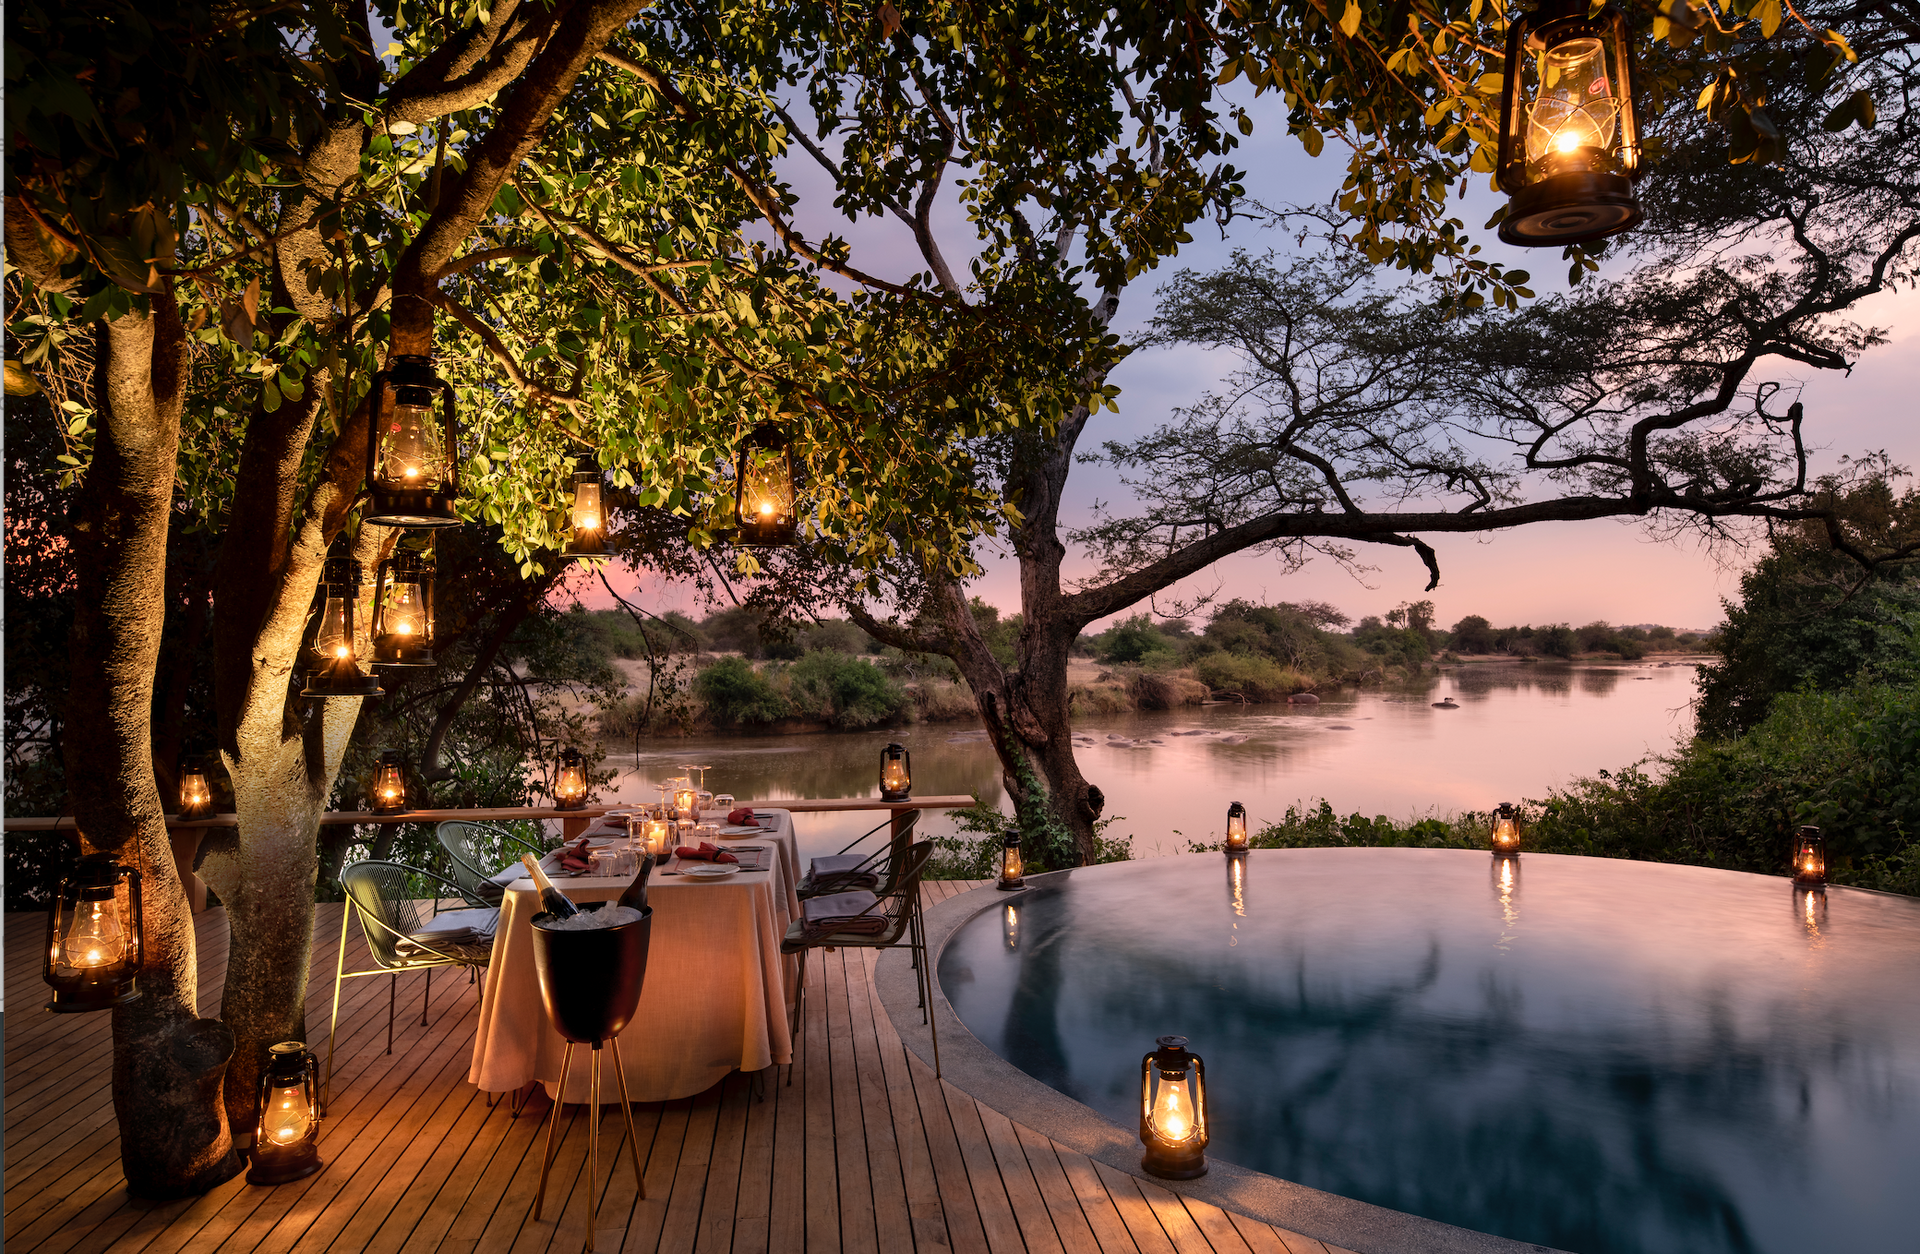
(1519, 730)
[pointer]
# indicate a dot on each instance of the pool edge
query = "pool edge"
(983, 1075)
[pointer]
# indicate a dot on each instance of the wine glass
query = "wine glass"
(705, 798)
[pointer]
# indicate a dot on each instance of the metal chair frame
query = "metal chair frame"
(882, 863)
(902, 908)
(468, 873)
(383, 941)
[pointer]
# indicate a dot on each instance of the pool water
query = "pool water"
(1600, 1056)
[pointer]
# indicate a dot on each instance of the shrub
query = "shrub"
(1255, 678)
(1164, 692)
(1557, 641)
(842, 690)
(1132, 641)
(735, 693)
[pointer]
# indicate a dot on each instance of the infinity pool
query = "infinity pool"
(1596, 1055)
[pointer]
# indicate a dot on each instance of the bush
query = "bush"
(1164, 692)
(841, 690)
(1255, 678)
(735, 693)
(1558, 641)
(1132, 641)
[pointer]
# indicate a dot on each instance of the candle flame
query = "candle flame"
(766, 509)
(589, 523)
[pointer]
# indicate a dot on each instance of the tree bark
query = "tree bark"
(167, 1062)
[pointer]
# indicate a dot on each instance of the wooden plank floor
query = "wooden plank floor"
(866, 1151)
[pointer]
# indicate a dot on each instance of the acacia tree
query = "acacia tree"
(1372, 416)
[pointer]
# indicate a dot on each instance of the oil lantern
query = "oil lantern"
(1011, 867)
(1569, 140)
(570, 788)
(412, 465)
(196, 799)
(1236, 846)
(389, 785)
(1505, 836)
(763, 492)
(286, 1145)
(403, 611)
(1173, 1111)
(896, 773)
(1809, 858)
(332, 669)
(587, 518)
(94, 937)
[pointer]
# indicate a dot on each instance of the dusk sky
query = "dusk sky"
(1573, 572)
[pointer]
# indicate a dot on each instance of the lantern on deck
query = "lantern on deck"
(1236, 846)
(389, 785)
(1173, 1111)
(587, 518)
(196, 798)
(412, 464)
(332, 668)
(1505, 836)
(896, 774)
(1011, 866)
(94, 939)
(763, 493)
(1569, 140)
(570, 789)
(1809, 858)
(286, 1144)
(403, 611)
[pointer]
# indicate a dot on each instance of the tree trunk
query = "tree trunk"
(167, 1062)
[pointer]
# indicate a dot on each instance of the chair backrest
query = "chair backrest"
(899, 900)
(382, 892)
(893, 868)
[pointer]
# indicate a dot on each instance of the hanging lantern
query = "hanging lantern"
(896, 774)
(332, 669)
(588, 518)
(1236, 846)
(1505, 835)
(94, 939)
(403, 611)
(1173, 1111)
(570, 788)
(390, 785)
(1569, 140)
(286, 1144)
(763, 492)
(1809, 858)
(412, 459)
(1011, 866)
(196, 799)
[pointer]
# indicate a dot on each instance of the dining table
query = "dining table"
(717, 992)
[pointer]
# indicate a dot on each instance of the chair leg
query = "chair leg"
(553, 1122)
(427, 999)
(626, 1108)
(393, 992)
(339, 969)
(799, 1017)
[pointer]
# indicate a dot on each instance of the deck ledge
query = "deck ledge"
(977, 1071)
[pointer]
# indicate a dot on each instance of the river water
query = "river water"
(1519, 730)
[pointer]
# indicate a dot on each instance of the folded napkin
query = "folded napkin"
(454, 927)
(573, 857)
(742, 817)
(839, 872)
(843, 913)
(706, 852)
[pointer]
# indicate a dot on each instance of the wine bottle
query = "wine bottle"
(635, 895)
(552, 900)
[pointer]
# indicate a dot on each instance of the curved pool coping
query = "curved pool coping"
(977, 1071)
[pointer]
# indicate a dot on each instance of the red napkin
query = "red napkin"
(574, 857)
(707, 852)
(743, 817)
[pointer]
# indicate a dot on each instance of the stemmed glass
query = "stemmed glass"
(706, 798)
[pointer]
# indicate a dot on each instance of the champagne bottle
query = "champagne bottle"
(636, 892)
(552, 900)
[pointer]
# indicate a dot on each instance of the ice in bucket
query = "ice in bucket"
(589, 920)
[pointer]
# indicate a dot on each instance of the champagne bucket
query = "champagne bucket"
(590, 979)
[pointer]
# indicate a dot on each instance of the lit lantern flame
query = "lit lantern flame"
(1173, 1111)
(410, 446)
(332, 639)
(288, 1115)
(96, 938)
(893, 777)
(1576, 108)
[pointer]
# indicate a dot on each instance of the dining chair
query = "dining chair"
(875, 872)
(832, 922)
(383, 895)
(471, 846)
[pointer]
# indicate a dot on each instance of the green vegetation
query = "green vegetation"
(735, 693)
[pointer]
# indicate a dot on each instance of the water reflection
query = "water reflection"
(1657, 1062)
(1517, 731)
(1010, 925)
(1811, 905)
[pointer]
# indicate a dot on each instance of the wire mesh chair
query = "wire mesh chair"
(899, 923)
(471, 847)
(383, 895)
(877, 872)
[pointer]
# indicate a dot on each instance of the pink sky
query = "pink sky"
(1573, 572)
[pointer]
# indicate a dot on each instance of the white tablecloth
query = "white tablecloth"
(715, 998)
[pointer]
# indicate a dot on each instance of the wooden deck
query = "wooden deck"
(866, 1151)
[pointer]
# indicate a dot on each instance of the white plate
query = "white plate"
(744, 831)
(710, 870)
